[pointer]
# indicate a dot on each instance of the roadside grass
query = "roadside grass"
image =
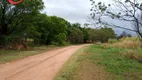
(111, 58)
(81, 67)
(132, 47)
(98, 63)
(68, 71)
(11, 55)
(124, 43)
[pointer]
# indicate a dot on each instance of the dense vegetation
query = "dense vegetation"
(24, 23)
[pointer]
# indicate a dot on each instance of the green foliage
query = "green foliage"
(60, 38)
(101, 35)
(111, 41)
(86, 34)
(51, 29)
(5, 40)
(12, 16)
(15, 20)
(75, 34)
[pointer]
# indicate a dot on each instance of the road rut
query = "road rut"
(39, 67)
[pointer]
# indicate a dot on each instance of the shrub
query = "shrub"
(111, 41)
(60, 39)
(5, 41)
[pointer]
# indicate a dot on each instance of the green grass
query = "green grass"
(123, 67)
(105, 62)
(69, 69)
(11, 55)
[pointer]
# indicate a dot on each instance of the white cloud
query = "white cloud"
(72, 10)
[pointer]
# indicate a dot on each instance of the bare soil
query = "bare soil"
(39, 67)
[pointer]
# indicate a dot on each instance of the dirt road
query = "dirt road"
(39, 67)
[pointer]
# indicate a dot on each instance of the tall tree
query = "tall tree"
(14, 19)
(50, 29)
(75, 34)
(11, 16)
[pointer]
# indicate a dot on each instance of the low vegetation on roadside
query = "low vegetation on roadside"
(132, 47)
(11, 55)
(105, 62)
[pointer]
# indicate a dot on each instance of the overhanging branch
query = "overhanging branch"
(118, 26)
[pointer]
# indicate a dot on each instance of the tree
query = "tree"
(128, 10)
(42, 29)
(51, 29)
(58, 29)
(85, 32)
(101, 35)
(124, 34)
(13, 16)
(75, 34)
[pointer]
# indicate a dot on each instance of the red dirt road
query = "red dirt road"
(39, 67)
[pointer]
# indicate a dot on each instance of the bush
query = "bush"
(111, 41)
(60, 39)
(5, 40)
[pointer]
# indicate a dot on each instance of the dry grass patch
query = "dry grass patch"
(131, 45)
(90, 71)
(133, 55)
(125, 43)
(133, 76)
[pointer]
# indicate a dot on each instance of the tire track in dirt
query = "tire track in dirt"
(37, 63)
(39, 67)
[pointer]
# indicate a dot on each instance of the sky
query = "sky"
(73, 10)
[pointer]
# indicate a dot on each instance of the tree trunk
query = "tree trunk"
(25, 43)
